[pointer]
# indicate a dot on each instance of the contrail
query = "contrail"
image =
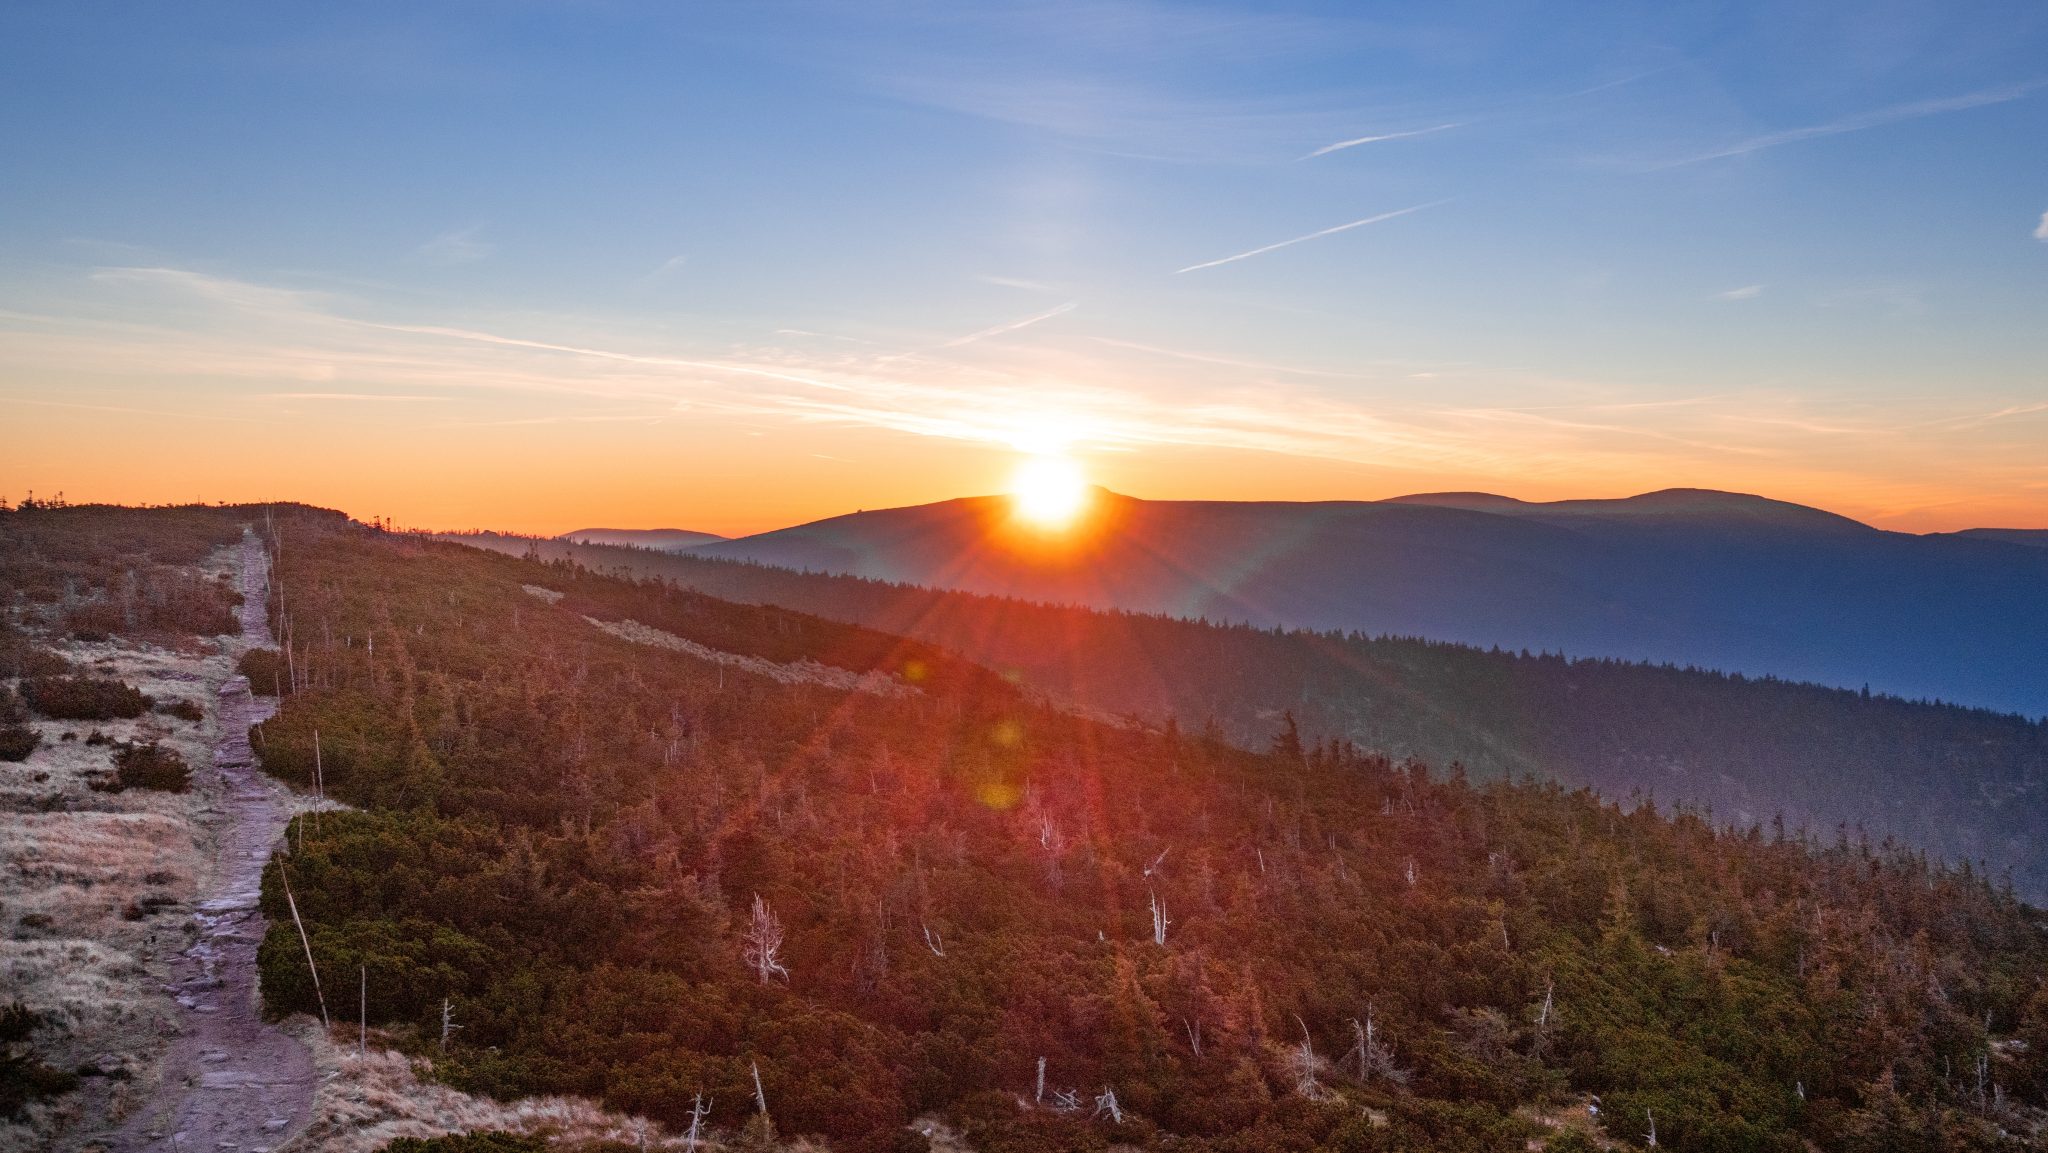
(1310, 236)
(1876, 119)
(1011, 326)
(1326, 149)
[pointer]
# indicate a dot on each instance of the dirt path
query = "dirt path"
(231, 1084)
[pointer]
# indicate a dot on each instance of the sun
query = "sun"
(1049, 491)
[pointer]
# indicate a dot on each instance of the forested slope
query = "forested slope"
(584, 846)
(1964, 784)
(1718, 579)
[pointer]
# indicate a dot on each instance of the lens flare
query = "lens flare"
(1049, 491)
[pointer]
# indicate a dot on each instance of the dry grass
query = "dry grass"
(96, 888)
(796, 672)
(365, 1102)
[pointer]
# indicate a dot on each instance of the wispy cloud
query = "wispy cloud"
(131, 410)
(460, 246)
(1012, 326)
(662, 270)
(1262, 250)
(1017, 282)
(1224, 361)
(1746, 292)
(403, 398)
(1341, 145)
(1978, 420)
(2041, 229)
(1873, 119)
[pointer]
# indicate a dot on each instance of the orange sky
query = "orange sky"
(161, 384)
(735, 477)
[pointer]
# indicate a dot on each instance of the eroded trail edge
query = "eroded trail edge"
(231, 1084)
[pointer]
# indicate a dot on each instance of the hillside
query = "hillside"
(2032, 537)
(1963, 784)
(1716, 580)
(659, 539)
(643, 869)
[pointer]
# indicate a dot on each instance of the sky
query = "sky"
(538, 266)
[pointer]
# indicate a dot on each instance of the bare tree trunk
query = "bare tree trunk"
(304, 941)
(697, 1112)
(761, 944)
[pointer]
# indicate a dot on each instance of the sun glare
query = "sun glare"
(1049, 491)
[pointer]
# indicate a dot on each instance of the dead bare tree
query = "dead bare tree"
(934, 942)
(1106, 1103)
(1159, 919)
(319, 786)
(760, 1096)
(1038, 1097)
(1158, 861)
(1650, 1138)
(698, 1110)
(306, 942)
(761, 944)
(1545, 1014)
(1067, 1101)
(1369, 1055)
(1305, 1065)
(1194, 1029)
(448, 1024)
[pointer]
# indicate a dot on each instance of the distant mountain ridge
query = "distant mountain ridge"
(2031, 537)
(1676, 505)
(662, 539)
(1721, 580)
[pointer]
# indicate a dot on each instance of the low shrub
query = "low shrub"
(183, 603)
(95, 621)
(24, 1079)
(26, 660)
(266, 671)
(84, 698)
(183, 710)
(147, 907)
(151, 766)
(17, 741)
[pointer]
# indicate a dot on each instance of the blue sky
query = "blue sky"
(1777, 247)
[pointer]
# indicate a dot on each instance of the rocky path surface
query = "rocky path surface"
(231, 1083)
